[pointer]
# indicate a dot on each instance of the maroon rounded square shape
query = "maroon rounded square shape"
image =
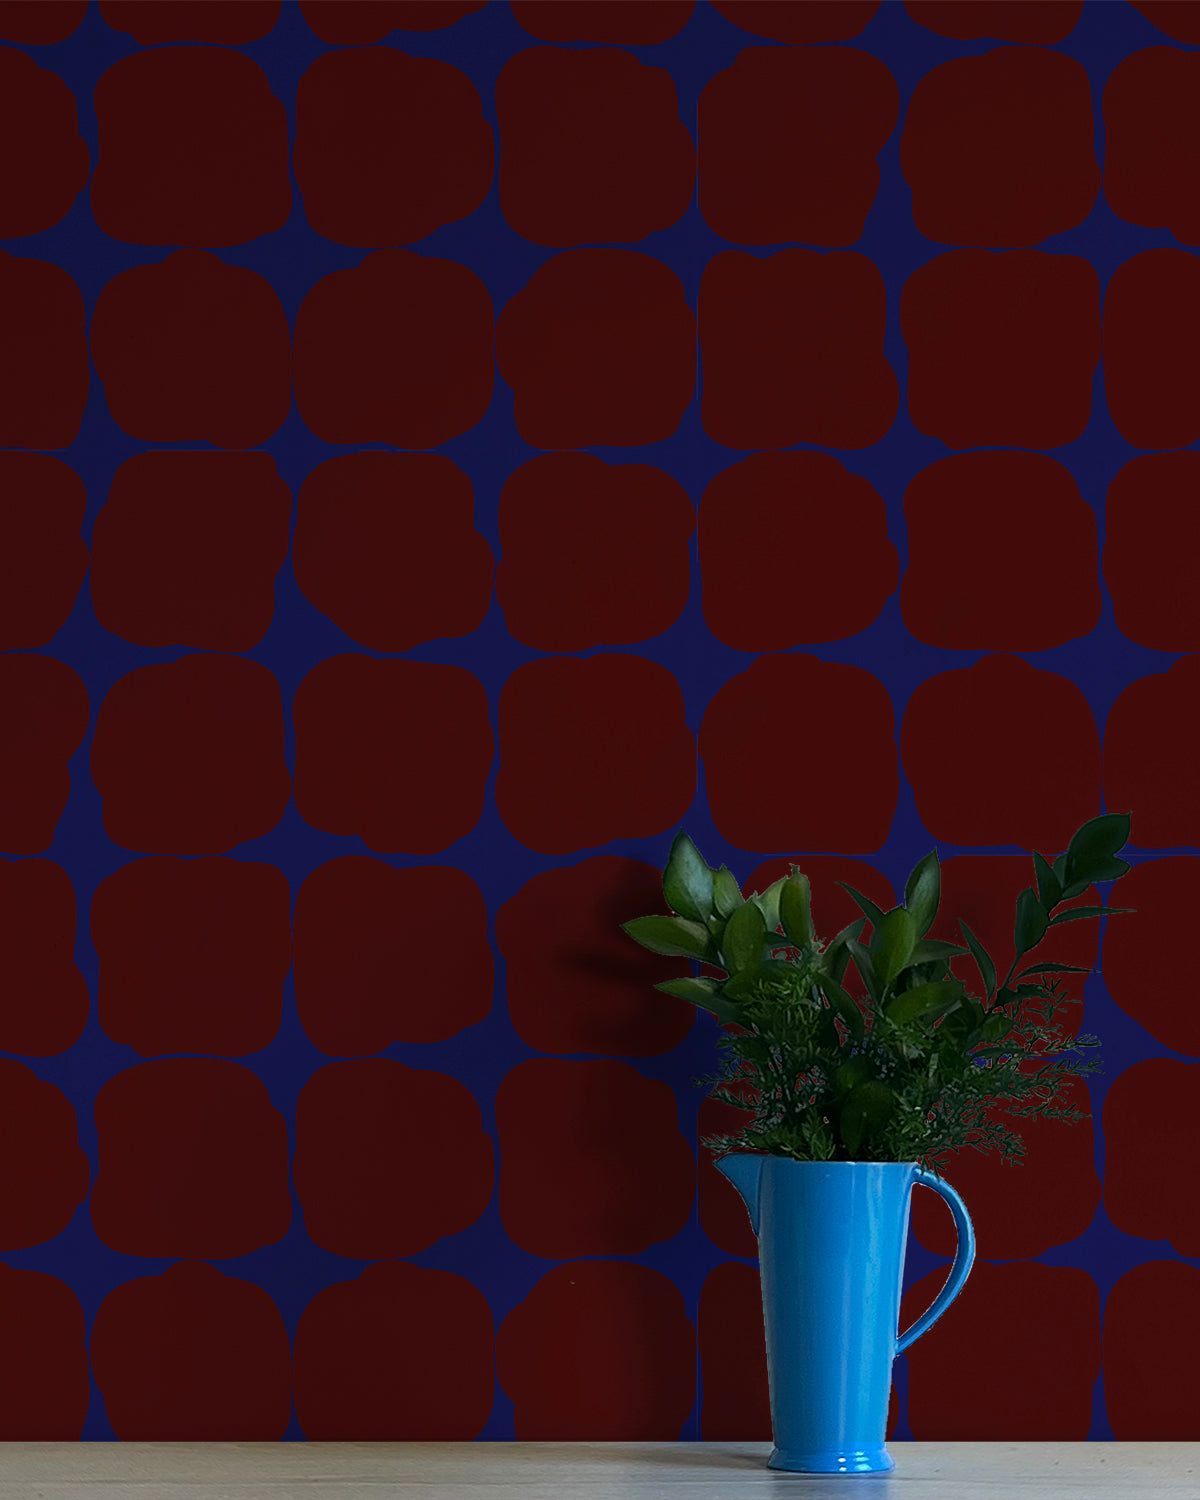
(1151, 542)
(51, 164)
(1151, 325)
(1149, 740)
(45, 1171)
(44, 1386)
(44, 1002)
(45, 708)
(44, 373)
(42, 556)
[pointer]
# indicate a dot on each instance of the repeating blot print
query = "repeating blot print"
(45, 708)
(370, 1187)
(44, 1388)
(792, 346)
(34, 24)
(42, 556)
(1151, 538)
(1149, 738)
(193, 1355)
(397, 350)
(371, 945)
(1150, 1114)
(976, 581)
(193, 954)
(1152, 141)
(998, 149)
(389, 147)
(822, 21)
(641, 25)
(591, 989)
(193, 149)
(810, 505)
(44, 1000)
(397, 752)
(733, 1356)
(1137, 946)
(789, 144)
(622, 1330)
(1151, 1321)
(1041, 24)
(50, 166)
(193, 1161)
(193, 349)
(592, 553)
(187, 547)
(598, 347)
(401, 1354)
(593, 146)
(592, 750)
(233, 23)
(386, 547)
(42, 1165)
(355, 23)
(1151, 328)
(44, 374)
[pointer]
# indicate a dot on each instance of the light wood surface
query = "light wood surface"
(585, 1471)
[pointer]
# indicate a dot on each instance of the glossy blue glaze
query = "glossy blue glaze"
(831, 1242)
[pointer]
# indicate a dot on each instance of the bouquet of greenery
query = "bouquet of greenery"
(912, 1074)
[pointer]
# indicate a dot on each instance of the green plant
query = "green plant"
(916, 1071)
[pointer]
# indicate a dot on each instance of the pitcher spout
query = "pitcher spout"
(744, 1170)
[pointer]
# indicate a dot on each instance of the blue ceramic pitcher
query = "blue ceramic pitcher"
(831, 1242)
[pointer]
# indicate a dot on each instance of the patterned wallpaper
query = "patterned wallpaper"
(447, 447)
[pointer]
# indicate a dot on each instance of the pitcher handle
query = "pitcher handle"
(964, 1257)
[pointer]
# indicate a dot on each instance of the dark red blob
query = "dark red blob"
(52, 163)
(1151, 539)
(1149, 761)
(386, 547)
(1151, 370)
(808, 504)
(1141, 970)
(641, 25)
(592, 750)
(1041, 25)
(44, 1390)
(594, 148)
(40, 23)
(599, 1351)
(592, 988)
(45, 1173)
(388, 147)
(193, 148)
(45, 709)
(397, 752)
(1041, 1373)
(1150, 1123)
(193, 954)
(397, 350)
(402, 1354)
(233, 23)
(792, 346)
(188, 756)
(193, 1161)
(1152, 140)
(193, 1355)
(44, 373)
(847, 771)
(723, 1215)
(962, 730)
(1151, 1324)
(370, 955)
(623, 1175)
(789, 141)
(354, 23)
(186, 550)
(192, 349)
(1177, 18)
(733, 1356)
(1002, 347)
(599, 347)
(44, 1001)
(1002, 554)
(368, 1188)
(998, 149)
(42, 556)
(814, 21)
(593, 553)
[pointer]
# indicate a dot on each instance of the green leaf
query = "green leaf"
(845, 1007)
(918, 1002)
(837, 954)
(1031, 921)
(1053, 969)
(687, 880)
(1021, 992)
(675, 936)
(727, 893)
(1077, 913)
(865, 967)
(923, 892)
(744, 933)
(1049, 888)
(768, 903)
(850, 1075)
(1111, 869)
(865, 1113)
(892, 943)
(1093, 846)
(987, 969)
(795, 910)
(710, 999)
(741, 984)
(930, 949)
(873, 913)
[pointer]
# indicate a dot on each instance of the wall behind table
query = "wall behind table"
(423, 492)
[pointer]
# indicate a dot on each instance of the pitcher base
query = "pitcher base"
(873, 1459)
